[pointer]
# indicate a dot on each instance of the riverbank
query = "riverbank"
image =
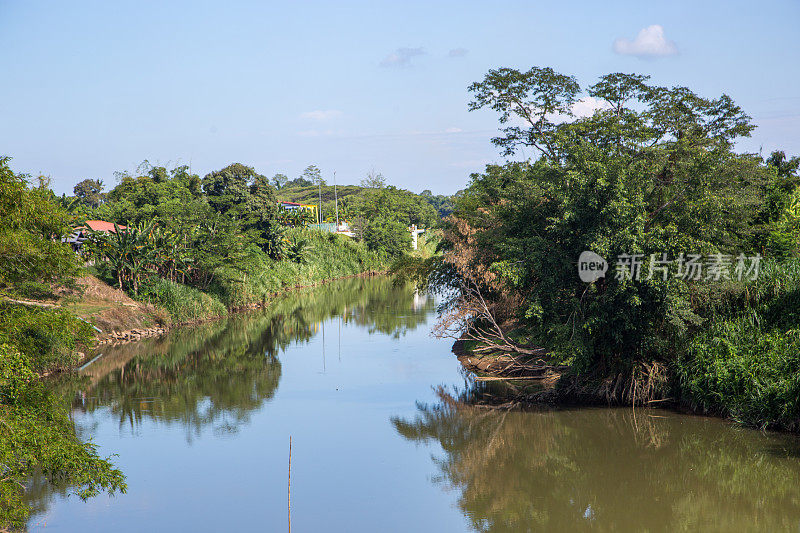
(122, 336)
(734, 394)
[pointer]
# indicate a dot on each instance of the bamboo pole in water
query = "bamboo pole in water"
(289, 501)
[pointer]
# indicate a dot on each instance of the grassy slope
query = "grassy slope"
(328, 257)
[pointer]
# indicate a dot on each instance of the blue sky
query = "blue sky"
(93, 87)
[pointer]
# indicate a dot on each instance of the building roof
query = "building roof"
(102, 225)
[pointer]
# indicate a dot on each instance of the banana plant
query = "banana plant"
(126, 252)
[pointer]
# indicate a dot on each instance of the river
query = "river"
(385, 439)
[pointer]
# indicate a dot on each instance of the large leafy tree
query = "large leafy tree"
(89, 192)
(228, 189)
(279, 180)
(31, 227)
(313, 175)
(652, 171)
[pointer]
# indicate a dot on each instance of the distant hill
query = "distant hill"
(310, 195)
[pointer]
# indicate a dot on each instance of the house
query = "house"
(295, 206)
(81, 233)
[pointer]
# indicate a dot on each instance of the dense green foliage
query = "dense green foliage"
(89, 193)
(37, 436)
(31, 225)
(199, 246)
(378, 214)
(652, 172)
(745, 360)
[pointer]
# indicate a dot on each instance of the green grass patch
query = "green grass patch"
(183, 303)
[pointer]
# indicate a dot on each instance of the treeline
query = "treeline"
(221, 233)
(378, 213)
(215, 232)
(653, 177)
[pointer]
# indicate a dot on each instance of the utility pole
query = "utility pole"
(319, 183)
(336, 200)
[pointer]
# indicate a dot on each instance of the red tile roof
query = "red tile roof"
(102, 225)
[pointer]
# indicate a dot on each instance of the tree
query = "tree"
(654, 171)
(228, 188)
(128, 253)
(90, 192)
(388, 236)
(374, 180)
(785, 167)
(279, 180)
(779, 219)
(32, 224)
(313, 175)
(534, 97)
(37, 436)
(442, 204)
(298, 182)
(262, 216)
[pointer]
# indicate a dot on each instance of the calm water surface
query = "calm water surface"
(201, 419)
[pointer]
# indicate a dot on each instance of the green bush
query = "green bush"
(183, 303)
(48, 337)
(37, 435)
(739, 370)
(387, 236)
(744, 362)
(15, 373)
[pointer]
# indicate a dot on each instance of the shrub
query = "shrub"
(15, 373)
(48, 337)
(387, 236)
(183, 303)
(745, 360)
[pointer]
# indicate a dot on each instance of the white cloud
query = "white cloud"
(402, 57)
(588, 105)
(321, 114)
(457, 52)
(650, 42)
(453, 130)
(581, 108)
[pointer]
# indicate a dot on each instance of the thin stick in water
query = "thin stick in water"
(290, 484)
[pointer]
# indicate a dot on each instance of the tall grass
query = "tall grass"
(327, 256)
(324, 256)
(745, 361)
(183, 303)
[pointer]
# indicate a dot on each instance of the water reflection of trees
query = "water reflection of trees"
(215, 374)
(609, 469)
